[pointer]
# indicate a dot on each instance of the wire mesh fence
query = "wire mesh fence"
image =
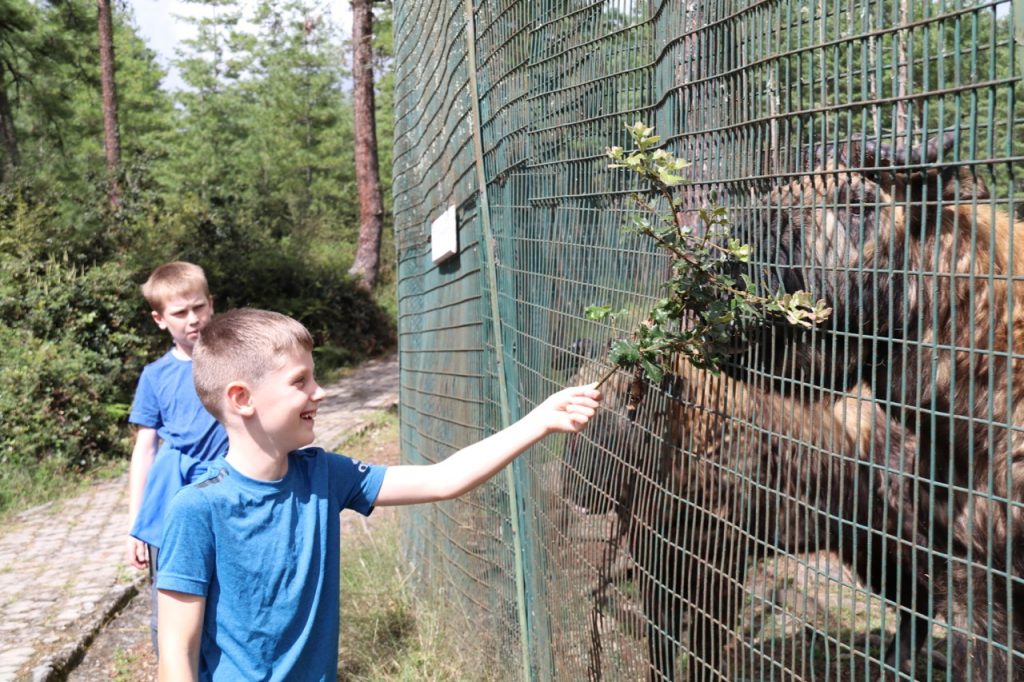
(842, 503)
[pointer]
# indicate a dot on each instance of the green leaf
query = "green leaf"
(669, 179)
(653, 371)
(703, 311)
(624, 353)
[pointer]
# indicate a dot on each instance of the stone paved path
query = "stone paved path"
(371, 388)
(61, 568)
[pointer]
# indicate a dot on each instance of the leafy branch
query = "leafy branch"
(705, 306)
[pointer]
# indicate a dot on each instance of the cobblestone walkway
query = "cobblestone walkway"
(61, 571)
(61, 566)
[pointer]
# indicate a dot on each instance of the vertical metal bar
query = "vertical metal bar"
(1018, 32)
(487, 252)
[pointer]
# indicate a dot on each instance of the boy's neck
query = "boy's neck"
(181, 352)
(254, 460)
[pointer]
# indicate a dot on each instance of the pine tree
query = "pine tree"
(108, 84)
(371, 204)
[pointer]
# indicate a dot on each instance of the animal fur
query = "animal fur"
(915, 475)
(597, 472)
(744, 473)
(924, 278)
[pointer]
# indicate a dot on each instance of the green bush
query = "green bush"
(334, 309)
(247, 267)
(71, 356)
(99, 307)
(56, 401)
(60, 413)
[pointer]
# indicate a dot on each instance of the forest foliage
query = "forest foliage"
(246, 169)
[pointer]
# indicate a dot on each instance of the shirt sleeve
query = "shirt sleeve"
(358, 483)
(146, 407)
(186, 559)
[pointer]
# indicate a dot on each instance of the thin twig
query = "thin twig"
(607, 376)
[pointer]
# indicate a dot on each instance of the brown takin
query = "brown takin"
(926, 281)
(744, 473)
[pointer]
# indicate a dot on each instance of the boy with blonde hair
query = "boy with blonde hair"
(166, 408)
(248, 575)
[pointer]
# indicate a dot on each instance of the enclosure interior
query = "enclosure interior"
(553, 570)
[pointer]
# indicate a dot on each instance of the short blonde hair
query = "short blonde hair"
(244, 344)
(174, 279)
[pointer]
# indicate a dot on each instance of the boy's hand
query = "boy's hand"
(569, 410)
(138, 553)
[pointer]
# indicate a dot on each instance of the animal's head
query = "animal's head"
(851, 232)
(847, 221)
(567, 361)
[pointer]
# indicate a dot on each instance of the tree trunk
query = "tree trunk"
(8, 137)
(901, 122)
(371, 205)
(111, 138)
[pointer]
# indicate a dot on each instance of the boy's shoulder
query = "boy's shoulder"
(205, 485)
(160, 381)
(315, 454)
(313, 463)
(165, 362)
(217, 472)
(167, 358)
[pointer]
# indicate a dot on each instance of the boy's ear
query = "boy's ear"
(159, 319)
(239, 398)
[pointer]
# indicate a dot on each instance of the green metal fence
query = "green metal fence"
(840, 504)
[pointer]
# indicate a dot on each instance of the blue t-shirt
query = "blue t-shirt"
(166, 400)
(266, 555)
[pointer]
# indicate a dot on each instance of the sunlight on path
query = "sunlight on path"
(59, 565)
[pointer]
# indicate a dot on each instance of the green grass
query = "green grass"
(22, 489)
(379, 432)
(385, 636)
(126, 665)
(387, 633)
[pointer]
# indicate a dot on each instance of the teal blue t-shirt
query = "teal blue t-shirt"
(266, 555)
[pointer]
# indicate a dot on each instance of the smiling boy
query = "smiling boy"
(248, 575)
(176, 436)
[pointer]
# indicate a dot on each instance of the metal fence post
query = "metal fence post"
(490, 270)
(1018, 32)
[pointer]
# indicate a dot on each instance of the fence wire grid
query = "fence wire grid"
(844, 503)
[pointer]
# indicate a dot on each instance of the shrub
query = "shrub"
(59, 411)
(56, 401)
(71, 356)
(99, 307)
(246, 267)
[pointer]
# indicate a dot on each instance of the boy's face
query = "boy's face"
(286, 402)
(184, 316)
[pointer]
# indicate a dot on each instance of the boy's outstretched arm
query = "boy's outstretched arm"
(178, 631)
(566, 411)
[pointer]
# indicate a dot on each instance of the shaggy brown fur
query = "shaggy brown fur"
(596, 471)
(782, 475)
(925, 281)
(744, 473)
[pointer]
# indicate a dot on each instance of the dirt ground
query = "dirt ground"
(122, 651)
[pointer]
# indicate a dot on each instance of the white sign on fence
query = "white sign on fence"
(444, 238)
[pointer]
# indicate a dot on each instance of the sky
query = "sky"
(163, 32)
